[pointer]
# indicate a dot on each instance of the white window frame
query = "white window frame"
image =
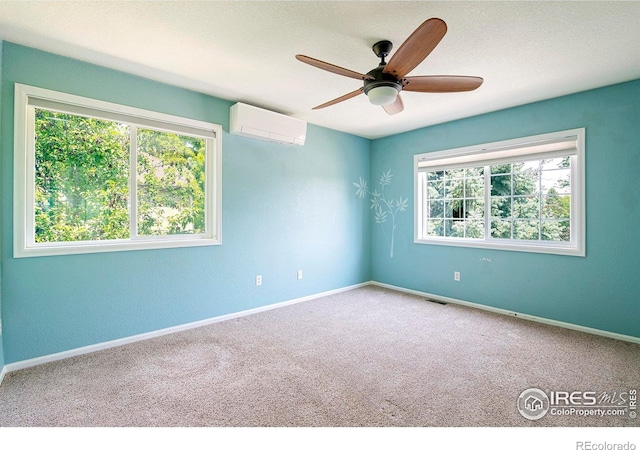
(27, 98)
(545, 146)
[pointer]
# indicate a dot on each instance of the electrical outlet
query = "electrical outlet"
(456, 276)
(258, 280)
(299, 274)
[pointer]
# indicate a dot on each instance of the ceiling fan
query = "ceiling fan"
(383, 84)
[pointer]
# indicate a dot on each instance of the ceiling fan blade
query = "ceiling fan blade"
(441, 83)
(395, 107)
(417, 47)
(340, 99)
(332, 68)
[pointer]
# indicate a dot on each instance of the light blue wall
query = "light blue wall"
(600, 290)
(284, 208)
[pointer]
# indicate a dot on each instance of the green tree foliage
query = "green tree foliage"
(522, 207)
(81, 168)
(82, 180)
(171, 183)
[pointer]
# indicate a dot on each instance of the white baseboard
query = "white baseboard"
(557, 323)
(152, 334)
(140, 337)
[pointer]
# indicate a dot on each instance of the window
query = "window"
(92, 176)
(523, 194)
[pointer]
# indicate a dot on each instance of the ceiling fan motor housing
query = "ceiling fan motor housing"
(381, 79)
(378, 77)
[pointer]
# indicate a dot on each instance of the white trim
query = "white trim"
(3, 372)
(557, 323)
(520, 246)
(153, 334)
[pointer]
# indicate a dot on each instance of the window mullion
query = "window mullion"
(133, 182)
(487, 202)
(513, 219)
(540, 201)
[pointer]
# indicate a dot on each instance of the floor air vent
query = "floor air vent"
(439, 302)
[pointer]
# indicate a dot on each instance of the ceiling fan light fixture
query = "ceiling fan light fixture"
(382, 95)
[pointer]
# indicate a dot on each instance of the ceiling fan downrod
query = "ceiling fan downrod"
(377, 76)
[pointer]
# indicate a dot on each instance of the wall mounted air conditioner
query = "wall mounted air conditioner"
(247, 120)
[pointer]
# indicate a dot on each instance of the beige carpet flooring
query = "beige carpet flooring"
(364, 358)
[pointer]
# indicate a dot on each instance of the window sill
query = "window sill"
(72, 248)
(523, 246)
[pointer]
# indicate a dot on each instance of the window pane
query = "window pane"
(527, 166)
(452, 208)
(474, 172)
(435, 189)
(556, 230)
(435, 176)
(501, 185)
(454, 188)
(474, 229)
(556, 181)
(501, 229)
(435, 227)
(474, 209)
(556, 163)
(526, 207)
(454, 173)
(501, 207)
(526, 229)
(81, 176)
(556, 206)
(171, 183)
(474, 187)
(500, 168)
(526, 183)
(436, 209)
(454, 228)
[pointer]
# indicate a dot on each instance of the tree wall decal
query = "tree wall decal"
(384, 208)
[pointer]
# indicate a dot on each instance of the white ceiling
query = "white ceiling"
(244, 50)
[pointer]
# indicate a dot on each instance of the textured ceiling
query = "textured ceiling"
(244, 50)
